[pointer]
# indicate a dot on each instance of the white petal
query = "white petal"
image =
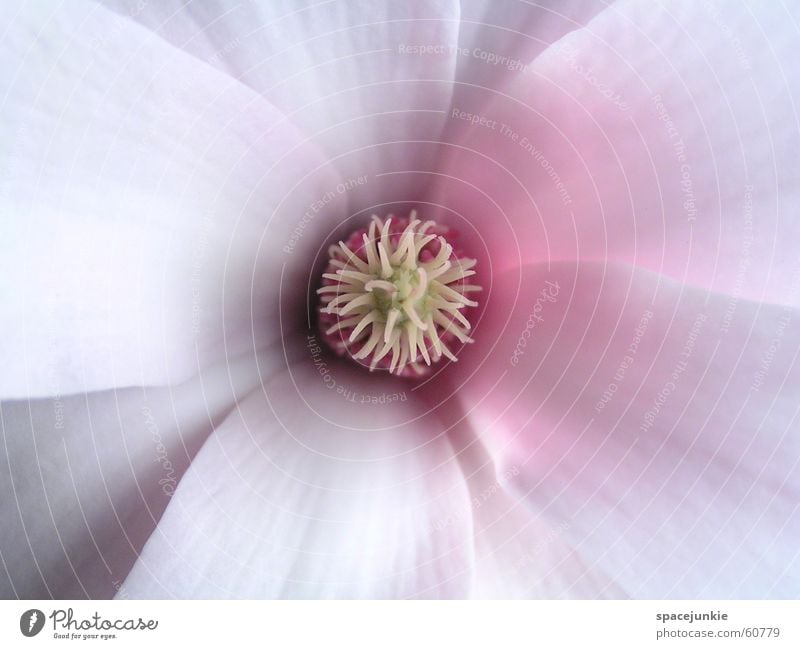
(498, 39)
(342, 71)
(147, 201)
(656, 422)
(520, 553)
(84, 478)
(307, 490)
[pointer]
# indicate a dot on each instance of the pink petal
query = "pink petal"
(311, 490)
(661, 136)
(656, 421)
(149, 201)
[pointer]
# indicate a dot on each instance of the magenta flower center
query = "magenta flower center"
(394, 296)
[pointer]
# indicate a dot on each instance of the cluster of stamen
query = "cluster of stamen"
(394, 294)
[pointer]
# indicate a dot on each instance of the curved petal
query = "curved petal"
(84, 478)
(658, 422)
(369, 80)
(139, 188)
(329, 483)
(519, 553)
(497, 39)
(659, 136)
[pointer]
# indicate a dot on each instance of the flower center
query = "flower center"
(395, 293)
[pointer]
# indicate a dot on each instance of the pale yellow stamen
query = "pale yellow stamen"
(397, 298)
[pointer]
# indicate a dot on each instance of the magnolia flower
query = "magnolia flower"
(179, 418)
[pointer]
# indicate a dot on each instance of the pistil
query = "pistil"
(395, 294)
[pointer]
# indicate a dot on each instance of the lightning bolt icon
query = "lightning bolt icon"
(32, 621)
